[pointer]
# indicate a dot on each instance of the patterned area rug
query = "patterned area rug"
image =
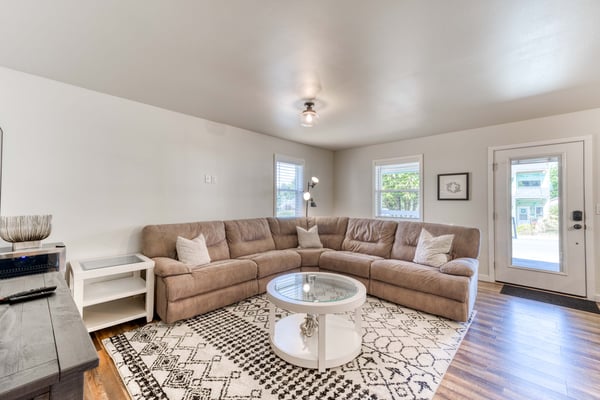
(225, 354)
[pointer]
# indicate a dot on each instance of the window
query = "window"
(398, 188)
(289, 181)
(523, 214)
(530, 179)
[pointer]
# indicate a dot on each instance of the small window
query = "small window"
(530, 179)
(289, 178)
(398, 188)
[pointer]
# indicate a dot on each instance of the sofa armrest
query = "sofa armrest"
(461, 266)
(164, 266)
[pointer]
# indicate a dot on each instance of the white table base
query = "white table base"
(336, 342)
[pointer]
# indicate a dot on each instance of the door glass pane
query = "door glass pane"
(535, 212)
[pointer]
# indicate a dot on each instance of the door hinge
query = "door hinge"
(495, 167)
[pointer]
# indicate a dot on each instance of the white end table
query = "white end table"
(111, 290)
(315, 297)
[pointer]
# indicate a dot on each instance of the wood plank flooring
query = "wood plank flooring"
(515, 349)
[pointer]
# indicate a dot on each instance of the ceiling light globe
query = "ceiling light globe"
(309, 116)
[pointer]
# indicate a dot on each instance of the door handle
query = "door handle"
(577, 226)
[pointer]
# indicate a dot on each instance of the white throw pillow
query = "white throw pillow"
(309, 238)
(192, 252)
(433, 251)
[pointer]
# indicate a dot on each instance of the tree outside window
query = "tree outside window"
(398, 188)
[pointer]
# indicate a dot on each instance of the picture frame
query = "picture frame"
(453, 186)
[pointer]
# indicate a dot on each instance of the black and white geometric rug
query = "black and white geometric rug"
(225, 354)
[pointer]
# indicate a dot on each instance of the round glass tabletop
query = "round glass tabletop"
(314, 287)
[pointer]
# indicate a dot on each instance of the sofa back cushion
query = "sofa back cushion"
(248, 236)
(465, 243)
(332, 230)
(370, 236)
(284, 231)
(159, 240)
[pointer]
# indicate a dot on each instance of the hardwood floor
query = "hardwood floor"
(515, 349)
(522, 349)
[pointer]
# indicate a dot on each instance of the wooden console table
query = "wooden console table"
(44, 346)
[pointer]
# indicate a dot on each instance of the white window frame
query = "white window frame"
(396, 161)
(298, 162)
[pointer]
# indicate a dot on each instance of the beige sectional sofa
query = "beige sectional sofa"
(246, 254)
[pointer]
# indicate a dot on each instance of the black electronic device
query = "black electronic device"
(577, 215)
(28, 295)
(48, 258)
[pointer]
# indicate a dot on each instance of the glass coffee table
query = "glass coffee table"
(313, 336)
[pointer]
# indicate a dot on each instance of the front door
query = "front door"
(539, 221)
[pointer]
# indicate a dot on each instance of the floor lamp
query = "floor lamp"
(307, 196)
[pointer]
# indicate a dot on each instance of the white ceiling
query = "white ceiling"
(387, 69)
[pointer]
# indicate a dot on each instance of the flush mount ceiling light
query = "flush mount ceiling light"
(309, 117)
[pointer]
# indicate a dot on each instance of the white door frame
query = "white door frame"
(590, 215)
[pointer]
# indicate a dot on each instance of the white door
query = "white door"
(539, 220)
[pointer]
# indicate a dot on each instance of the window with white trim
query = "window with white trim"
(398, 187)
(289, 178)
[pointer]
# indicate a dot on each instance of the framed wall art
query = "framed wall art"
(453, 186)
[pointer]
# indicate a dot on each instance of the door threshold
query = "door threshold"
(549, 297)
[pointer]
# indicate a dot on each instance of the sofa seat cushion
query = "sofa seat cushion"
(209, 277)
(310, 257)
(421, 278)
(274, 261)
(347, 262)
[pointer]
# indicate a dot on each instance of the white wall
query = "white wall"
(464, 151)
(104, 166)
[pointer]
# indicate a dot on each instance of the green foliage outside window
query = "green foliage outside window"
(286, 203)
(400, 191)
(553, 175)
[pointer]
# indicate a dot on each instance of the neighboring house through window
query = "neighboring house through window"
(289, 179)
(398, 187)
